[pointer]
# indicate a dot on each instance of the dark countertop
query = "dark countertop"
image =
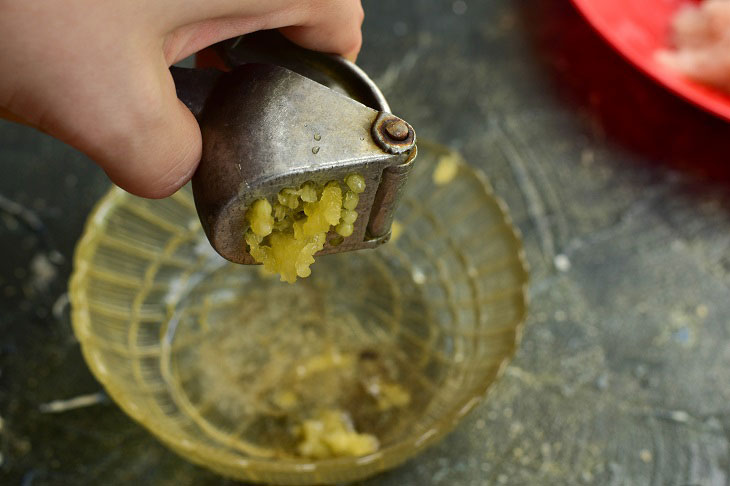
(620, 190)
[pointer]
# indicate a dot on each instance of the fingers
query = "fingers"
(165, 150)
(333, 27)
(10, 116)
(96, 75)
(149, 144)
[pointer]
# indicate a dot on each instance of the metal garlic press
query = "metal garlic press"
(281, 116)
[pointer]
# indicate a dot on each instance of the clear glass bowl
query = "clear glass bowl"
(225, 364)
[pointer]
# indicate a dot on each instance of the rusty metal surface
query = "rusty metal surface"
(266, 128)
(392, 134)
(620, 190)
(389, 193)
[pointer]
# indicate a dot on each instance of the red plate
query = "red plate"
(637, 28)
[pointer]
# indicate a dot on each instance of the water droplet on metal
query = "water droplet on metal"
(315, 149)
(317, 137)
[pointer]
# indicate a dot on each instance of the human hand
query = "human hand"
(94, 73)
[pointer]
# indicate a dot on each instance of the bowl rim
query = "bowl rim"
(202, 454)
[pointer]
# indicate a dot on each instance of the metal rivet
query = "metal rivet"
(397, 130)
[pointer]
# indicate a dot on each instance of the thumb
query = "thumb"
(152, 146)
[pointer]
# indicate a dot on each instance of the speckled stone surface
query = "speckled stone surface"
(620, 190)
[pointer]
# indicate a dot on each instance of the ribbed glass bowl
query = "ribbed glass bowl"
(224, 364)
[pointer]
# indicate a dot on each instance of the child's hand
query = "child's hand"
(94, 73)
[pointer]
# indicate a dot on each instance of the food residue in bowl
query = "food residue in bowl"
(701, 37)
(390, 395)
(446, 169)
(331, 433)
(326, 395)
(285, 236)
(306, 397)
(396, 229)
